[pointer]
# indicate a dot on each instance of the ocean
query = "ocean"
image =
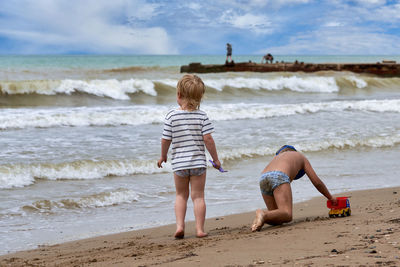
(80, 138)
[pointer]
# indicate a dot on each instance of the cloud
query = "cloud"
(340, 41)
(258, 24)
(91, 26)
(389, 14)
(370, 2)
(362, 11)
(288, 2)
(333, 24)
(199, 27)
(195, 6)
(370, 27)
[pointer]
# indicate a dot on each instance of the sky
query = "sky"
(187, 27)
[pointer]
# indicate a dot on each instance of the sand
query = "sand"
(369, 237)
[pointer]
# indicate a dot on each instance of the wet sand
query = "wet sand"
(369, 237)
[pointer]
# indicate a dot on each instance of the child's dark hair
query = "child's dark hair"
(285, 148)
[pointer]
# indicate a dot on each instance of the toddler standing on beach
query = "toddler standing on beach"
(189, 129)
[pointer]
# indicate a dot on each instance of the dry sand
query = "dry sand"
(369, 237)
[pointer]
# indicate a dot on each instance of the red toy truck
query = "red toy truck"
(341, 209)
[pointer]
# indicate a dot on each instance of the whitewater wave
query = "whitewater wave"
(20, 175)
(293, 83)
(139, 115)
(104, 199)
(83, 116)
(121, 89)
(111, 88)
(322, 145)
(259, 111)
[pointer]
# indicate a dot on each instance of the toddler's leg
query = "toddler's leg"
(197, 193)
(182, 195)
(279, 210)
(259, 219)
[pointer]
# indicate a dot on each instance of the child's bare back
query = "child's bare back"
(290, 163)
(287, 165)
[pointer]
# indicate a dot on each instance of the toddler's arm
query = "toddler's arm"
(164, 151)
(316, 181)
(210, 145)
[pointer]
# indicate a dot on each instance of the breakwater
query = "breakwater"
(384, 68)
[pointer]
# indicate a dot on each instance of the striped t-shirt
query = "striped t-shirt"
(186, 130)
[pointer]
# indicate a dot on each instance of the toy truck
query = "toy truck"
(342, 208)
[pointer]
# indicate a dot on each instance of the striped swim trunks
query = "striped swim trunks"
(190, 172)
(271, 180)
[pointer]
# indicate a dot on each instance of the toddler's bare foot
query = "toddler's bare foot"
(179, 234)
(201, 234)
(258, 221)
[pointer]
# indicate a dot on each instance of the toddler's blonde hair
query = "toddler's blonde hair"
(191, 90)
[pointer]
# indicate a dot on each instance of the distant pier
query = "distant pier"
(385, 68)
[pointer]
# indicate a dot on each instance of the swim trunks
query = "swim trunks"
(190, 172)
(271, 180)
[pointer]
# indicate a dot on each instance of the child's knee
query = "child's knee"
(287, 217)
(197, 195)
(182, 195)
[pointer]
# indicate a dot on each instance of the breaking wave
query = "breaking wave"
(293, 83)
(20, 175)
(111, 88)
(93, 116)
(321, 145)
(103, 199)
(122, 89)
(145, 114)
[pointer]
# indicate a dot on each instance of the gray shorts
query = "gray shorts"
(271, 180)
(190, 172)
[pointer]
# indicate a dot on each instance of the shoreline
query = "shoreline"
(370, 236)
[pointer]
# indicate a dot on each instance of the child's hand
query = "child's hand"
(334, 201)
(160, 161)
(217, 164)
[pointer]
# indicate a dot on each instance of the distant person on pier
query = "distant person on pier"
(267, 57)
(228, 53)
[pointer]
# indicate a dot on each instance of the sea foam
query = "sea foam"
(103, 199)
(20, 175)
(146, 114)
(293, 83)
(110, 88)
(123, 89)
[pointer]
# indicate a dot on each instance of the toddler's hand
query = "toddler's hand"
(217, 164)
(334, 201)
(160, 161)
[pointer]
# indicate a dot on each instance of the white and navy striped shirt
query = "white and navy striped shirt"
(186, 130)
